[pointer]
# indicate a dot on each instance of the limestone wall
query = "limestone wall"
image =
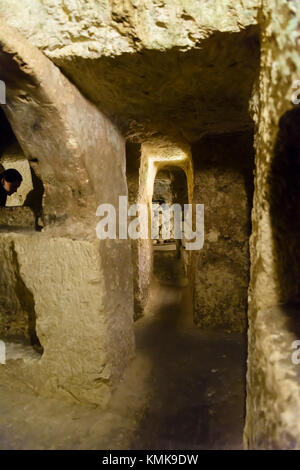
(65, 278)
(81, 344)
(273, 406)
(109, 27)
(16, 217)
(133, 162)
(223, 183)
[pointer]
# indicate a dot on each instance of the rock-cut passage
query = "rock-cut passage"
(185, 389)
(197, 380)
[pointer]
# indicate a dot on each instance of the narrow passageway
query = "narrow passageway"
(197, 377)
(185, 389)
(150, 259)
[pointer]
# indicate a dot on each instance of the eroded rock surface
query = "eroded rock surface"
(179, 68)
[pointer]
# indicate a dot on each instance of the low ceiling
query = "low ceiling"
(203, 91)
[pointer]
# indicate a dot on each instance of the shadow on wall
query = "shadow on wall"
(35, 197)
(285, 206)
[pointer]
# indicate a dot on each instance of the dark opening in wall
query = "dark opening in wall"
(23, 209)
(285, 205)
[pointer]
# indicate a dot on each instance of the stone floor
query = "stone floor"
(184, 390)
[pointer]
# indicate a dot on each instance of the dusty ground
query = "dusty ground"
(184, 390)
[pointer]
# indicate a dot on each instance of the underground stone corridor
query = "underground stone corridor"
(192, 395)
(198, 376)
(120, 328)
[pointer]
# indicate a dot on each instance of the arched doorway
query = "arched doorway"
(170, 191)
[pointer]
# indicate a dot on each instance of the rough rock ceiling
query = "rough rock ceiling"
(179, 67)
(187, 94)
(90, 28)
